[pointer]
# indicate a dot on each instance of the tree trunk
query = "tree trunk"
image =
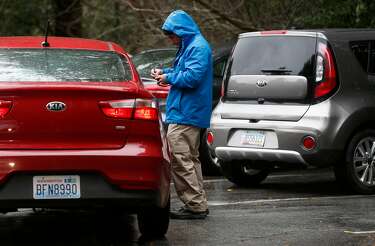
(68, 18)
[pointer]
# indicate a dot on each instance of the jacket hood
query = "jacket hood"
(181, 24)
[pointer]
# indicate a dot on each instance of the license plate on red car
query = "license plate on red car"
(56, 187)
(255, 138)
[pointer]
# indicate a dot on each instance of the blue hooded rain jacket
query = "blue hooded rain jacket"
(189, 100)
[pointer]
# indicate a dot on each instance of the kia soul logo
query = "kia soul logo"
(56, 106)
(261, 83)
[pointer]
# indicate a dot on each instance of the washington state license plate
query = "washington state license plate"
(255, 138)
(56, 187)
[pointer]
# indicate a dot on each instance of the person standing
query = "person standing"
(188, 110)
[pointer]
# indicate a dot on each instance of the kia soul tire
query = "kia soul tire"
(239, 173)
(358, 171)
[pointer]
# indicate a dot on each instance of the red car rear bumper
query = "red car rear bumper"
(135, 173)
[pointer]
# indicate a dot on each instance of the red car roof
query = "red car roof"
(59, 43)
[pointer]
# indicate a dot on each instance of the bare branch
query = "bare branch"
(235, 22)
(130, 3)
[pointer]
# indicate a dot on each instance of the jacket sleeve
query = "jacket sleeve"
(196, 65)
(167, 69)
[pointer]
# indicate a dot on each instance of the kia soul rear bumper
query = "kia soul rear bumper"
(271, 155)
(280, 141)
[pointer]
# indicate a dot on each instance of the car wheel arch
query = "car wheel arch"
(354, 124)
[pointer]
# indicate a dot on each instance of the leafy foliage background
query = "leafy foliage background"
(135, 24)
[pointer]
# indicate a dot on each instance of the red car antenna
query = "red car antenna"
(45, 42)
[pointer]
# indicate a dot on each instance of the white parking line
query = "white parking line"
(215, 180)
(360, 232)
(271, 176)
(223, 203)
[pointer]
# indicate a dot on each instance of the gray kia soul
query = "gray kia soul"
(298, 98)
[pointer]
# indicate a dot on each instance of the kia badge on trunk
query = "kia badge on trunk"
(261, 83)
(56, 106)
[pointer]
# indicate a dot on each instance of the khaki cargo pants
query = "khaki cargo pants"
(186, 168)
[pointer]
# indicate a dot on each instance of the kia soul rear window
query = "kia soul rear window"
(274, 55)
(54, 65)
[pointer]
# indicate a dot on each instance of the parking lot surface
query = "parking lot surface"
(290, 208)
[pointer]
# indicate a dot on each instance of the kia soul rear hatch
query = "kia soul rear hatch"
(50, 98)
(270, 76)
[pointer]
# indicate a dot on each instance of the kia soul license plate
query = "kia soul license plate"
(255, 138)
(56, 187)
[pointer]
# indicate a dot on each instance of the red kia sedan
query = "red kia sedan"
(78, 129)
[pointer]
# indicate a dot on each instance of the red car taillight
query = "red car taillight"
(325, 72)
(143, 109)
(4, 107)
(122, 109)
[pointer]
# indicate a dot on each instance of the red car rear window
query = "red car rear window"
(54, 65)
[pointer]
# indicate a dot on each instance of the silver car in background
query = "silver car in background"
(298, 98)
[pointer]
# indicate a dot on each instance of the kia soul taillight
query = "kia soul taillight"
(141, 109)
(325, 79)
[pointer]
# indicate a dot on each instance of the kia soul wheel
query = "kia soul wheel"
(241, 174)
(359, 169)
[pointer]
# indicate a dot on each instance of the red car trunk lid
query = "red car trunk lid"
(62, 116)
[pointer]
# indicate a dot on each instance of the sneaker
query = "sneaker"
(186, 214)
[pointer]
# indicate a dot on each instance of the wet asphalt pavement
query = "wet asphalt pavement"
(289, 208)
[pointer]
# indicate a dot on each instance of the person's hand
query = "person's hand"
(156, 72)
(161, 80)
